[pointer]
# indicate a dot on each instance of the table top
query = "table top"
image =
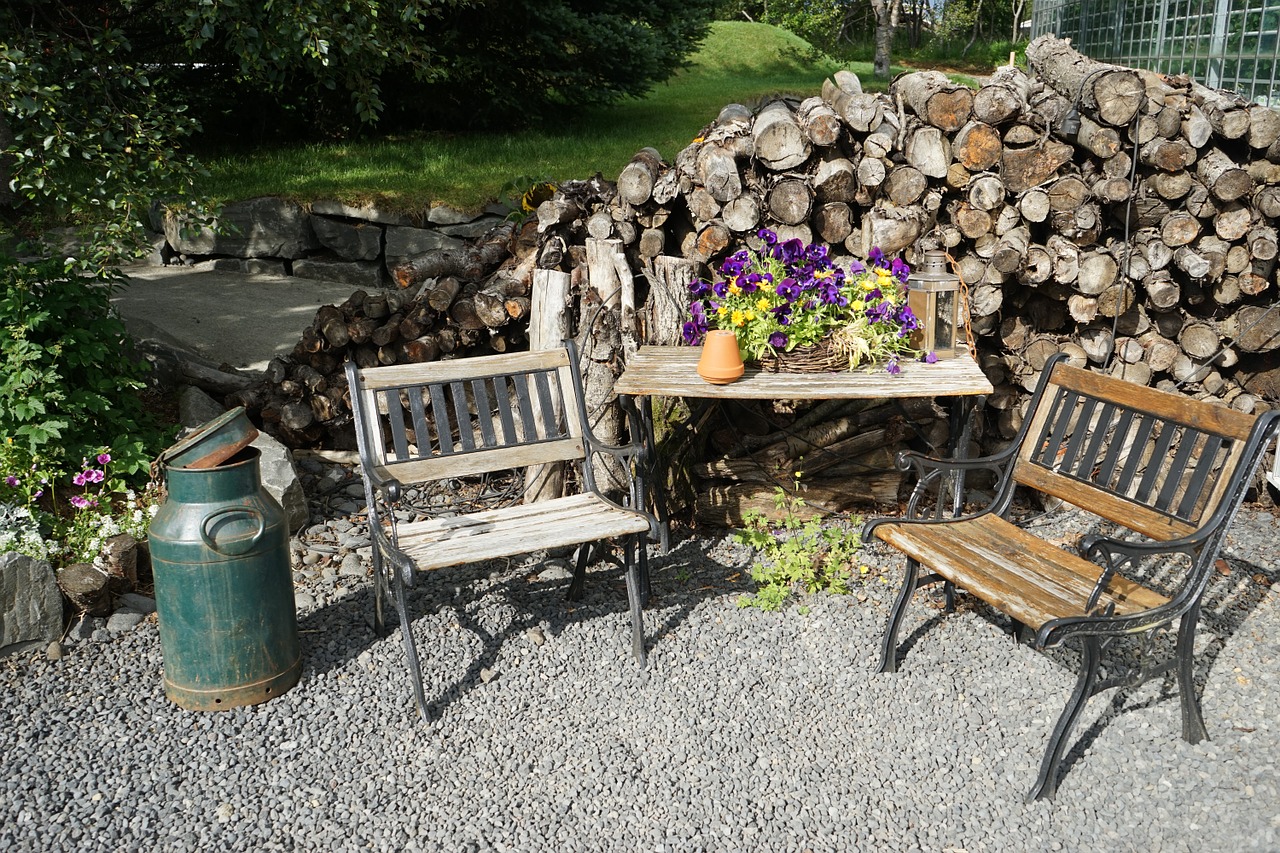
(673, 372)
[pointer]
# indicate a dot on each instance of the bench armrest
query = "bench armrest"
(392, 555)
(382, 481)
(1113, 554)
(931, 471)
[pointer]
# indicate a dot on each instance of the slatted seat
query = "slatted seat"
(1169, 472)
(442, 422)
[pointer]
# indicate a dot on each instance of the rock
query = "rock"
(124, 620)
(137, 603)
(87, 587)
(30, 605)
(54, 651)
(358, 274)
(443, 214)
(472, 230)
(264, 266)
(280, 478)
(403, 242)
(351, 567)
(361, 241)
(555, 569)
(84, 628)
(196, 408)
(257, 228)
(536, 636)
(367, 212)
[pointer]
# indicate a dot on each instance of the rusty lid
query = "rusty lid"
(213, 442)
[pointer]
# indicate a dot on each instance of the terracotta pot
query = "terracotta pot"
(720, 363)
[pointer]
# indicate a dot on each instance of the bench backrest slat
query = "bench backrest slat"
(1155, 462)
(471, 416)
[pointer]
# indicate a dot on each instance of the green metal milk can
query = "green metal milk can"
(223, 589)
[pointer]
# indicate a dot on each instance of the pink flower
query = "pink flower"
(104, 458)
(81, 478)
(79, 502)
(94, 475)
(11, 480)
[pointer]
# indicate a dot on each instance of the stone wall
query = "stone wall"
(325, 240)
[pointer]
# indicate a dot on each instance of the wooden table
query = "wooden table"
(666, 371)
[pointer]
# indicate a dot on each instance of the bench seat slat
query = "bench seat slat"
(1014, 571)
(441, 542)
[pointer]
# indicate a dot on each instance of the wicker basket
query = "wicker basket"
(819, 358)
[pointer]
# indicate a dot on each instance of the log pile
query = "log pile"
(1123, 217)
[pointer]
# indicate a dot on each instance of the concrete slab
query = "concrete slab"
(227, 318)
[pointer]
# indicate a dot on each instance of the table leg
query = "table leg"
(958, 446)
(647, 472)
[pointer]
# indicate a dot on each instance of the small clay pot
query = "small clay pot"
(720, 362)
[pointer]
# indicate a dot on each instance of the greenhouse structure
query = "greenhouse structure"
(1225, 44)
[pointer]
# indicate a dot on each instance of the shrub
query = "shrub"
(70, 384)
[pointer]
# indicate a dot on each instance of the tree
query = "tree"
(888, 14)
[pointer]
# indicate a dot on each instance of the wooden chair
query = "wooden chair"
(423, 423)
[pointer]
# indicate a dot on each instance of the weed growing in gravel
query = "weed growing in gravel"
(796, 553)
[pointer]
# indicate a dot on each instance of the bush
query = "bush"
(70, 385)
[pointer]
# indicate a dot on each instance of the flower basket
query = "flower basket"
(819, 358)
(794, 309)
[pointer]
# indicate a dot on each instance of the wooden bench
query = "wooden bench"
(1167, 472)
(446, 421)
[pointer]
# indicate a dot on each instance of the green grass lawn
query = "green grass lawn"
(739, 62)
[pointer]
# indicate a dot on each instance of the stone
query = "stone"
(196, 408)
(30, 604)
(351, 567)
(84, 628)
(235, 265)
(472, 230)
(403, 242)
(54, 651)
(124, 620)
(361, 241)
(257, 228)
(280, 478)
(368, 212)
(137, 602)
(264, 266)
(443, 214)
(358, 274)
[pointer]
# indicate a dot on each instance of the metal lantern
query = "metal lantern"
(933, 294)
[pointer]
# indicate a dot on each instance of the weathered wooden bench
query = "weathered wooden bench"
(446, 421)
(1165, 473)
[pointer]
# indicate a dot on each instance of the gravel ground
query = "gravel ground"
(748, 731)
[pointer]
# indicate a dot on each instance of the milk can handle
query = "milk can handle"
(238, 547)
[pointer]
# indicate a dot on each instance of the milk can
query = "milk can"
(223, 589)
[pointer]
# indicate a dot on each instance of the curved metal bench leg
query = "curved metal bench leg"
(1047, 782)
(379, 594)
(634, 599)
(410, 648)
(1193, 729)
(889, 648)
(579, 582)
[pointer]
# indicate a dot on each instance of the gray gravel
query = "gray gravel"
(748, 731)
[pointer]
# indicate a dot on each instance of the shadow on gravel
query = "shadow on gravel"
(337, 633)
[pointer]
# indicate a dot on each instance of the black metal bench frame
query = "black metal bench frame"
(419, 424)
(1170, 469)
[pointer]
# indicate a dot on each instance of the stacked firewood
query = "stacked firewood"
(447, 304)
(1122, 217)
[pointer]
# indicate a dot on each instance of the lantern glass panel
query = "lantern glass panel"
(944, 336)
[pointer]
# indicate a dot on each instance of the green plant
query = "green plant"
(69, 379)
(523, 195)
(796, 553)
(788, 295)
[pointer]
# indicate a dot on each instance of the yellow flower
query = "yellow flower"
(722, 310)
(868, 284)
(737, 318)
(751, 315)
(734, 289)
(762, 304)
